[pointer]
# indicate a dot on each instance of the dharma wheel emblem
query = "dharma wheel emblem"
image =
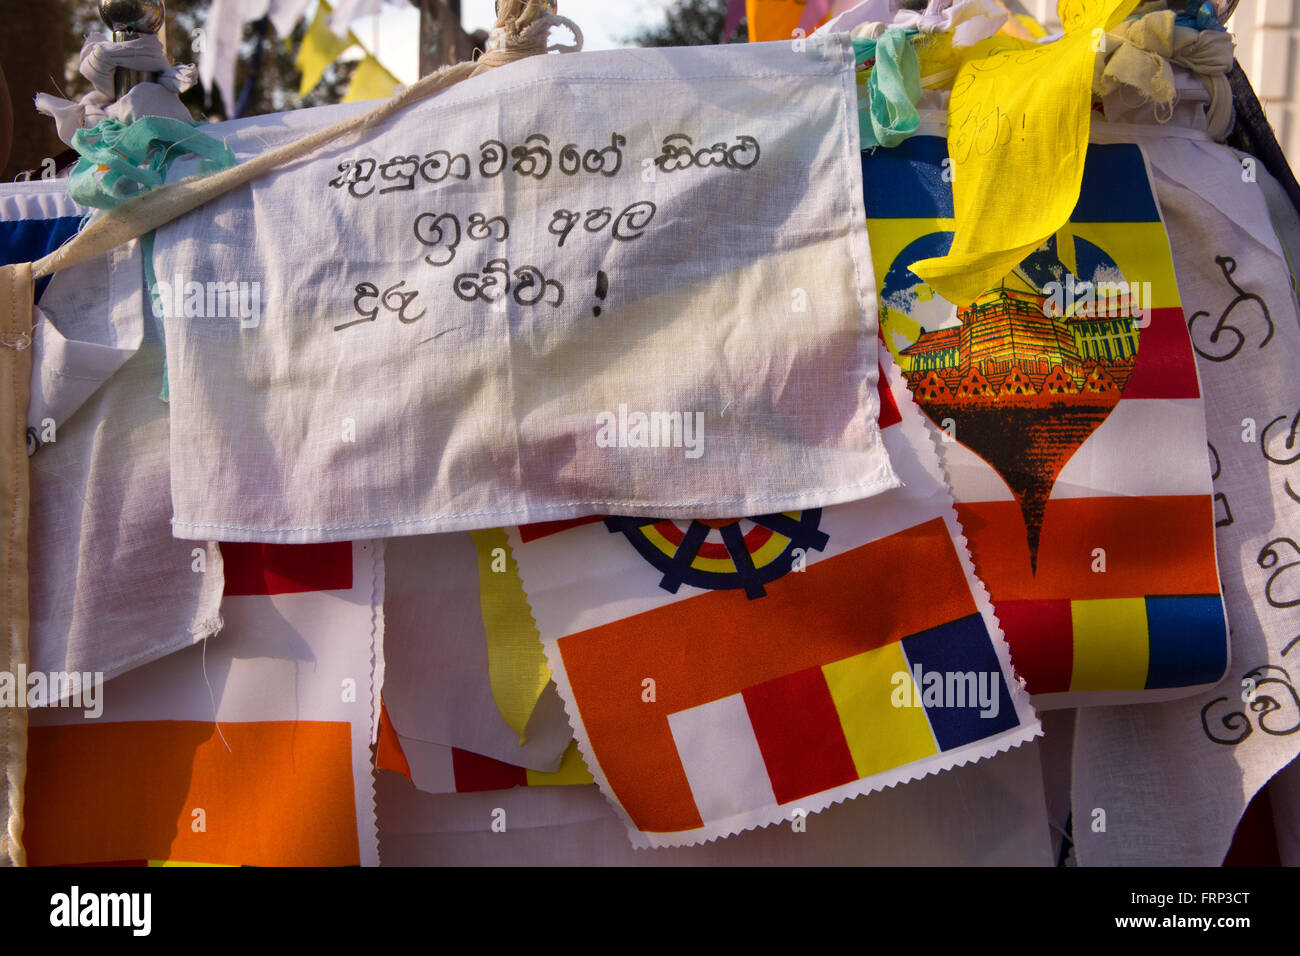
(724, 554)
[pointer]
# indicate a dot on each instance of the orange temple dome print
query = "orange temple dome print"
(1022, 338)
(1027, 371)
(1100, 562)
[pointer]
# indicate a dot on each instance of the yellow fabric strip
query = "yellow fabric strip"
(1018, 126)
(1111, 644)
(517, 665)
(573, 771)
(370, 82)
(880, 709)
(16, 294)
(320, 47)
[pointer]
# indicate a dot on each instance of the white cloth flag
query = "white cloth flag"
(346, 11)
(632, 282)
(1173, 779)
(110, 589)
(225, 28)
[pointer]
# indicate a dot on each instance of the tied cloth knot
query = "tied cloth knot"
(135, 156)
(100, 59)
(1138, 63)
(527, 34)
(522, 28)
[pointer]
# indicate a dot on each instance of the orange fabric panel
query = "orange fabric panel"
(774, 19)
(719, 643)
(388, 752)
(282, 795)
(1159, 545)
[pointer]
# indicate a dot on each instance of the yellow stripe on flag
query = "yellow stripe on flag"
(1111, 644)
(320, 47)
(882, 724)
(1022, 106)
(573, 771)
(371, 82)
(517, 664)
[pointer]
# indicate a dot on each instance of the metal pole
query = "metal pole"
(130, 19)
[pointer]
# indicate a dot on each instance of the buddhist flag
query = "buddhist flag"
(254, 750)
(1074, 433)
(436, 768)
(727, 674)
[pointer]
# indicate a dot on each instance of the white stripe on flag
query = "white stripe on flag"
(1172, 458)
(1150, 446)
(431, 766)
(720, 755)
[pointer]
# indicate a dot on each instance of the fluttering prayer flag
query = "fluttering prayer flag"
(370, 81)
(320, 47)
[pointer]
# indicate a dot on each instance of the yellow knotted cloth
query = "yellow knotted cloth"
(1018, 126)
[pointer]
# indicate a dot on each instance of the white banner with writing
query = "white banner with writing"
(631, 282)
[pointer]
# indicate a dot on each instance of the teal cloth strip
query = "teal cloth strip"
(120, 160)
(136, 156)
(887, 115)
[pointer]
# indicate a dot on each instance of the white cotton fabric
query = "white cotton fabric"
(224, 29)
(436, 686)
(347, 11)
(989, 813)
(100, 60)
(89, 323)
(110, 588)
(746, 303)
(1174, 778)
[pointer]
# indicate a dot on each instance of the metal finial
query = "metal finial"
(136, 17)
(130, 19)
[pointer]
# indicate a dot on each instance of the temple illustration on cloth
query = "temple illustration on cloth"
(1010, 346)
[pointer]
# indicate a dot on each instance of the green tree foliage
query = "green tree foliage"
(690, 23)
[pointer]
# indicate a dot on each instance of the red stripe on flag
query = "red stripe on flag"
(889, 413)
(531, 532)
(799, 734)
(1041, 637)
(718, 644)
(1166, 366)
(474, 772)
(253, 569)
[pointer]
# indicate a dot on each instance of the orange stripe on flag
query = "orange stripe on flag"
(720, 643)
(282, 795)
(1152, 546)
(388, 752)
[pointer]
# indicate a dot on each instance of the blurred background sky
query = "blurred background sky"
(604, 23)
